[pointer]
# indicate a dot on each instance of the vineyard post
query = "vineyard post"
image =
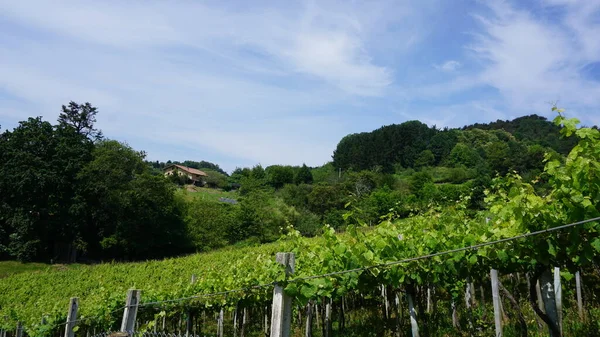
(2, 331)
(496, 301)
(538, 291)
(130, 311)
(71, 317)
(266, 321)
(414, 325)
(327, 325)
(189, 320)
(558, 297)
(579, 299)
(309, 316)
(428, 310)
(19, 332)
(220, 324)
(235, 316)
(281, 315)
(549, 298)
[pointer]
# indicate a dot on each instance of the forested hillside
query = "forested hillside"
(69, 194)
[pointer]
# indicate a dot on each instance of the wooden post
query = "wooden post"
(327, 325)
(538, 290)
(71, 316)
(308, 330)
(130, 312)
(189, 318)
(244, 322)
(281, 315)
(549, 298)
(468, 295)
(220, 324)
(235, 316)
(414, 325)
(579, 297)
(496, 300)
(19, 332)
(455, 322)
(558, 298)
(386, 312)
(428, 299)
(266, 321)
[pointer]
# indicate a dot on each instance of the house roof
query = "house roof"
(189, 170)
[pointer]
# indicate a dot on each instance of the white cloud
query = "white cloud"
(524, 61)
(448, 66)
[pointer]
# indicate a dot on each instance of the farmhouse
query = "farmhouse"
(195, 175)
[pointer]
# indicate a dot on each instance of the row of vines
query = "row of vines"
(566, 192)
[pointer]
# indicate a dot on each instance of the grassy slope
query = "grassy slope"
(8, 268)
(193, 192)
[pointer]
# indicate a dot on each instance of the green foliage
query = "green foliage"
(464, 155)
(278, 175)
(303, 175)
(296, 195)
(73, 194)
(383, 147)
(426, 158)
(215, 179)
(324, 198)
(208, 223)
(129, 213)
(419, 180)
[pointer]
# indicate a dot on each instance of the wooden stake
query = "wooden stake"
(496, 300)
(414, 325)
(130, 312)
(281, 315)
(579, 297)
(71, 317)
(558, 298)
(220, 324)
(308, 329)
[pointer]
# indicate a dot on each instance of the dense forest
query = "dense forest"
(70, 194)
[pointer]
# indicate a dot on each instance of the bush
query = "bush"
(308, 223)
(208, 223)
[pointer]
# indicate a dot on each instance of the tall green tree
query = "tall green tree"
(303, 175)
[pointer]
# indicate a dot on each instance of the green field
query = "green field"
(191, 192)
(8, 268)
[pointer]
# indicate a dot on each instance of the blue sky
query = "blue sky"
(240, 83)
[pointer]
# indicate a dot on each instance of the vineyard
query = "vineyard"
(431, 274)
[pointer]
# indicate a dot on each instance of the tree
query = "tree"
(130, 214)
(208, 223)
(82, 118)
(30, 196)
(462, 154)
(278, 175)
(303, 175)
(426, 158)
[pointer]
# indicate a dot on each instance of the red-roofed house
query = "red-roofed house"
(195, 175)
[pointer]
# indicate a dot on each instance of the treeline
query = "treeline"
(504, 145)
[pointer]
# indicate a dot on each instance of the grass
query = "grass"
(8, 268)
(191, 192)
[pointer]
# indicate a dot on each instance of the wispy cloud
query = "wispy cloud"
(448, 66)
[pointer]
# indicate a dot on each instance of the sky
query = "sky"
(240, 83)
